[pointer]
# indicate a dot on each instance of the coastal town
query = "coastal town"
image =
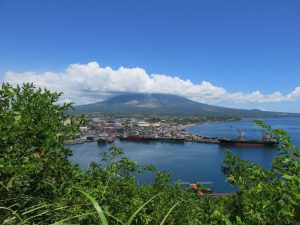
(107, 129)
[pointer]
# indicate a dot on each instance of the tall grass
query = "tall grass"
(103, 218)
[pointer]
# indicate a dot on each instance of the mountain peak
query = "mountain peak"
(166, 104)
(148, 100)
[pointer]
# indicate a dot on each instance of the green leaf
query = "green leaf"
(97, 207)
(138, 210)
(13, 212)
(288, 177)
(167, 215)
(231, 178)
(10, 183)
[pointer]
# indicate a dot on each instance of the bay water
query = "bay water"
(195, 162)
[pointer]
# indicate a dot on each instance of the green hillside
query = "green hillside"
(166, 104)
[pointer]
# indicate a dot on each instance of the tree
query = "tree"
(33, 157)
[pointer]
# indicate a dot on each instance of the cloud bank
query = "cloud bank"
(87, 83)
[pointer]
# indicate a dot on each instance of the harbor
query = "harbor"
(137, 138)
(107, 130)
(192, 161)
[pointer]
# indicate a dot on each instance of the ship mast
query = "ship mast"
(240, 134)
(266, 136)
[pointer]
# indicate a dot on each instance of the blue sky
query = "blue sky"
(239, 46)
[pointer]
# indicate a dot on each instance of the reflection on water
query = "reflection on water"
(194, 161)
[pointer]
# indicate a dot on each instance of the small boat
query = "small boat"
(106, 140)
(89, 138)
(79, 141)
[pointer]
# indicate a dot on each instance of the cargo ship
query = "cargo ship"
(266, 141)
(248, 143)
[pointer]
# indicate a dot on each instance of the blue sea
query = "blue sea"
(195, 162)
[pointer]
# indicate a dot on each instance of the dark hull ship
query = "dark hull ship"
(248, 143)
(266, 141)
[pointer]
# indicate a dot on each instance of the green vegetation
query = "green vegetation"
(38, 185)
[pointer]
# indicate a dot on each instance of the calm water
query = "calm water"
(194, 162)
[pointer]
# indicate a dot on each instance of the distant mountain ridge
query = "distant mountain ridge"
(167, 104)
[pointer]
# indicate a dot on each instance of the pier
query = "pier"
(201, 139)
(185, 138)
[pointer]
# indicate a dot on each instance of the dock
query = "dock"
(184, 138)
(201, 139)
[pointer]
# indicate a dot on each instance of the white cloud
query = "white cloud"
(295, 95)
(86, 83)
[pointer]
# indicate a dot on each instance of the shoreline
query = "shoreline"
(208, 122)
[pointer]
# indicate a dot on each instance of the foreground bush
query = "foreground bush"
(38, 185)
